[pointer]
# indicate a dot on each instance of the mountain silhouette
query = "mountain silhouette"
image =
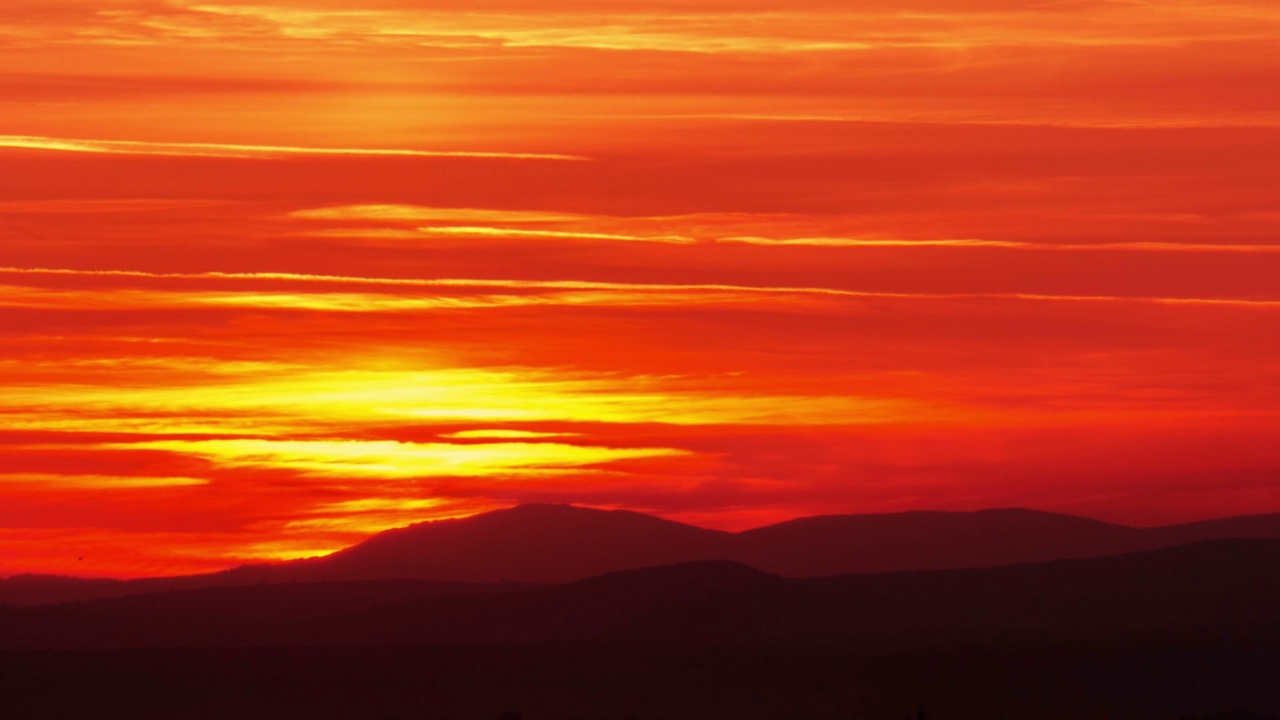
(1204, 590)
(544, 544)
(527, 543)
(558, 543)
(922, 540)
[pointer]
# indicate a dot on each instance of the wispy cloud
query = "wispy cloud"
(504, 434)
(602, 286)
(356, 459)
(1153, 247)
(63, 481)
(492, 232)
(417, 213)
(229, 150)
(866, 242)
(767, 28)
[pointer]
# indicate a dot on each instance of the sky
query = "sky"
(278, 275)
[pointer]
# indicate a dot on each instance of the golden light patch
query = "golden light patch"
(356, 459)
(504, 434)
(419, 213)
(492, 232)
(55, 481)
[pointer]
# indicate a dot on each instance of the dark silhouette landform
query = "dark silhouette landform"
(505, 615)
(560, 543)
(1211, 589)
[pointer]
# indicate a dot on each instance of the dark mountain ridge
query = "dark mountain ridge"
(1204, 590)
(527, 543)
(543, 544)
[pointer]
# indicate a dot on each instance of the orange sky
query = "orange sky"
(276, 275)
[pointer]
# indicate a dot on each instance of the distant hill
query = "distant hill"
(527, 543)
(560, 543)
(33, 589)
(1205, 590)
(842, 544)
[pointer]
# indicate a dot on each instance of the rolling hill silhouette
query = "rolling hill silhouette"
(922, 540)
(1206, 589)
(527, 543)
(1211, 587)
(558, 543)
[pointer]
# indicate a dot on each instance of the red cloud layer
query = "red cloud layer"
(333, 267)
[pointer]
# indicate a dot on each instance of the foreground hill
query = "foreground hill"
(1208, 589)
(1187, 633)
(559, 543)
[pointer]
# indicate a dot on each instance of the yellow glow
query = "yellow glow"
(595, 292)
(504, 435)
(49, 481)
(378, 504)
(286, 548)
(374, 514)
(289, 400)
(123, 299)
(355, 302)
(384, 459)
(471, 231)
(420, 213)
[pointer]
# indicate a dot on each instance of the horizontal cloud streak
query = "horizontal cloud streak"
(56, 481)
(641, 290)
(418, 213)
(226, 150)
(490, 232)
(1167, 247)
(354, 459)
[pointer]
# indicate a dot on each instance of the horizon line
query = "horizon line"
(606, 509)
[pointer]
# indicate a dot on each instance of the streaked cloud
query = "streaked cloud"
(490, 232)
(417, 214)
(355, 460)
(134, 147)
(594, 292)
(869, 242)
(770, 29)
(1166, 247)
(55, 481)
(504, 434)
(370, 515)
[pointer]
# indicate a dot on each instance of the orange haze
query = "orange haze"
(281, 274)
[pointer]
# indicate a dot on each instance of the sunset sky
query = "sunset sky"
(277, 275)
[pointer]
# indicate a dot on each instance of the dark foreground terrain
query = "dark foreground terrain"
(1184, 632)
(543, 544)
(1093, 681)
